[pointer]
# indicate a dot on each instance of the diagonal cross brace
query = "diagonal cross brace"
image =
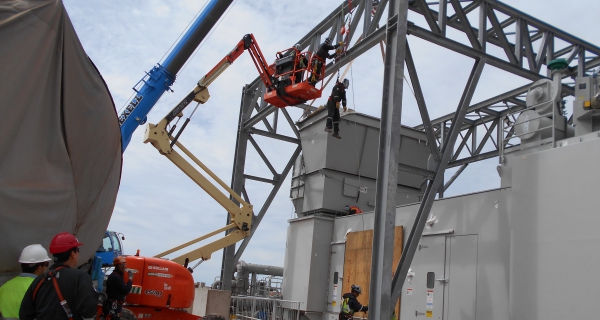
(427, 202)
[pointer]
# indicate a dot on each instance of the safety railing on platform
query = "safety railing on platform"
(257, 308)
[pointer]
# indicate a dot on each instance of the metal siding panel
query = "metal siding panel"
(485, 214)
(554, 219)
(297, 254)
(461, 271)
(368, 165)
(351, 187)
(314, 188)
(314, 147)
(319, 264)
(430, 257)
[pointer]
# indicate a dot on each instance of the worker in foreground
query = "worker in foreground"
(34, 262)
(63, 292)
(117, 289)
(350, 304)
(338, 95)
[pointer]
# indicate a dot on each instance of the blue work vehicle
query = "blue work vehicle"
(110, 248)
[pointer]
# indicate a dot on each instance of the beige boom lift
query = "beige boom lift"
(240, 216)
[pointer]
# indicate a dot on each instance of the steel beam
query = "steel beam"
(259, 179)
(508, 47)
(387, 164)
(273, 135)
(237, 180)
(414, 79)
(540, 25)
(291, 123)
(428, 16)
(481, 105)
(258, 218)
(262, 155)
(425, 207)
(474, 48)
(377, 17)
(455, 175)
(466, 25)
(261, 115)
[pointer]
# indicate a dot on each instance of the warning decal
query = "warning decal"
(409, 291)
(429, 306)
(136, 290)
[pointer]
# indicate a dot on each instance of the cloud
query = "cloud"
(158, 207)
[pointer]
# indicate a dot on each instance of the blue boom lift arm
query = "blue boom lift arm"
(162, 76)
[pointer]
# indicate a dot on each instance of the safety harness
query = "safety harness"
(347, 312)
(52, 275)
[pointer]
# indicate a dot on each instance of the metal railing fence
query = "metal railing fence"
(258, 308)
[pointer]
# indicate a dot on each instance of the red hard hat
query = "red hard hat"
(119, 260)
(62, 242)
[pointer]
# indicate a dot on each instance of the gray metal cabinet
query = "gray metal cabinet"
(443, 279)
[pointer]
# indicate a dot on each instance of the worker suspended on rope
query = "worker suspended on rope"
(338, 96)
(321, 57)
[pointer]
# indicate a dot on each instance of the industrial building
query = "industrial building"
(521, 251)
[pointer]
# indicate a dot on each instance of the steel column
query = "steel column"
(425, 207)
(237, 180)
(387, 164)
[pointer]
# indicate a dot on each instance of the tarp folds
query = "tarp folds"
(60, 145)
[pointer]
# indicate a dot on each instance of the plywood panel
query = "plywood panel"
(357, 262)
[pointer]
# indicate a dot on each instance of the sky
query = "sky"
(158, 207)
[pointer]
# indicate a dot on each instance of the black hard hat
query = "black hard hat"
(356, 289)
(328, 40)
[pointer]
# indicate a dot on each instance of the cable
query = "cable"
(208, 36)
(165, 54)
(126, 102)
(184, 30)
(355, 134)
(411, 88)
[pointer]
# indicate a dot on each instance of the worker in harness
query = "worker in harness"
(301, 64)
(323, 55)
(116, 289)
(338, 96)
(34, 261)
(63, 292)
(350, 304)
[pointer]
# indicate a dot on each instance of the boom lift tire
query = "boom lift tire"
(127, 314)
(213, 316)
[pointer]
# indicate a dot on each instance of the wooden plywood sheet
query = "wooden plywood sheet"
(357, 262)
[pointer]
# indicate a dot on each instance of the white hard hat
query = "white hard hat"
(34, 253)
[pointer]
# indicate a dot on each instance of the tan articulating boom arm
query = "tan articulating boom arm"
(161, 139)
(240, 217)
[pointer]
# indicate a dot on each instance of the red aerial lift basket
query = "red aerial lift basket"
(292, 91)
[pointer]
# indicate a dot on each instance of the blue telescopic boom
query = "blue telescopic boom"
(161, 77)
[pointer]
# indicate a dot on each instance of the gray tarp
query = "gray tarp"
(60, 144)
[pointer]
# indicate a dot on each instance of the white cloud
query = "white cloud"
(158, 207)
